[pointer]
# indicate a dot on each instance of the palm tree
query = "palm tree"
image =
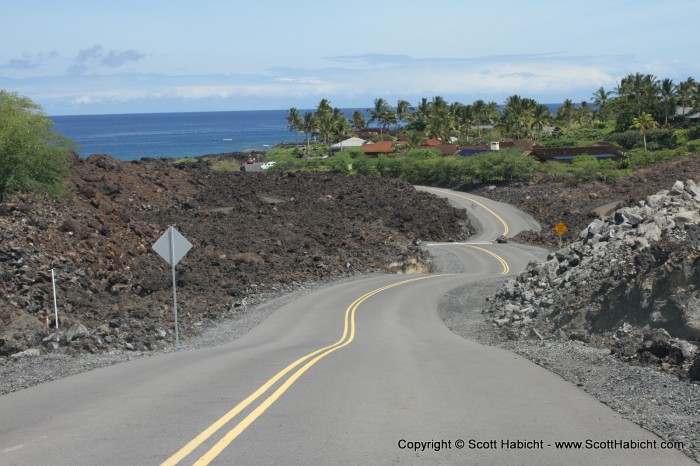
(358, 120)
(440, 123)
(684, 91)
(643, 88)
(403, 110)
(600, 98)
(420, 117)
(341, 125)
(541, 117)
(378, 113)
(643, 123)
(308, 126)
(325, 124)
(294, 122)
(491, 114)
(668, 96)
(566, 112)
(695, 97)
(465, 118)
(323, 107)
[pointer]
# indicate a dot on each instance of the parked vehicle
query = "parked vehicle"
(269, 164)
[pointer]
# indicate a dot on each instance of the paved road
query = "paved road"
(359, 373)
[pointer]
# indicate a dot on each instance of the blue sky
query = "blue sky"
(90, 57)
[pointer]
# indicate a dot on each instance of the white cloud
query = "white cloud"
(352, 81)
(96, 56)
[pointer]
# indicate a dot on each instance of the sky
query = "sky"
(101, 56)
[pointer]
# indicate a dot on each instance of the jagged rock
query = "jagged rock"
(694, 370)
(30, 353)
(640, 267)
(76, 331)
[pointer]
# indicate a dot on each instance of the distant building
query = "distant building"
(601, 151)
(687, 112)
(443, 147)
(352, 142)
(466, 151)
(376, 148)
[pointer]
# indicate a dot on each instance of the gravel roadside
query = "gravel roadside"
(657, 401)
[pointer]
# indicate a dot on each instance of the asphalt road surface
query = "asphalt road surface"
(359, 373)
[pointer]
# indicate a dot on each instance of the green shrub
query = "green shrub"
(627, 139)
(185, 160)
(578, 137)
(694, 146)
(640, 157)
(226, 166)
(424, 153)
(32, 156)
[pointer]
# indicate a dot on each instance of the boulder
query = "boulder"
(76, 331)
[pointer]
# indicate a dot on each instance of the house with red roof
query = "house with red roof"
(376, 148)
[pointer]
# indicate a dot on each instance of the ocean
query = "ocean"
(187, 134)
(190, 134)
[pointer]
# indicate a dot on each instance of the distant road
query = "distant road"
(359, 373)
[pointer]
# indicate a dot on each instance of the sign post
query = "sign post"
(172, 247)
(560, 229)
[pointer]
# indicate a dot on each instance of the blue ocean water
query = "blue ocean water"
(188, 134)
(134, 136)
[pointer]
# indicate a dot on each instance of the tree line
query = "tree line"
(640, 101)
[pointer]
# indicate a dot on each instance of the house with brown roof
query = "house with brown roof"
(601, 151)
(444, 148)
(524, 146)
(376, 148)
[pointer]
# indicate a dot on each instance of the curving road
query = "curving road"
(359, 373)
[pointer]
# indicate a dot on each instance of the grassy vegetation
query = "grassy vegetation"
(226, 166)
(186, 160)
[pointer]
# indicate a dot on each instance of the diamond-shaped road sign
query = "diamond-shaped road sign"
(560, 228)
(172, 246)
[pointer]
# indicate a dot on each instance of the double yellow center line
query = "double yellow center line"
(504, 264)
(498, 217)
(307, 361)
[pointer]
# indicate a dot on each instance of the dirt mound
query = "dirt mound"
(252, 233)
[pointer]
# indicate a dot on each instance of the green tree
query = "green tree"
(668, 98)
(323, 107)
(32, 156)
(440, 123)
(358, 120)
(465, 119)
(684, 93)
(566, 112)
(325, 124)
(341, 125)
(380, 113)
(308, 126)
(403, 111)
(294, 123)
(600, 98)
(643, 123)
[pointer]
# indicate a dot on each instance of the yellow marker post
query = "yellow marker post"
(560, 228)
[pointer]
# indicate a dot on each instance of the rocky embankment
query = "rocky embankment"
(254, 234)
(630, 283)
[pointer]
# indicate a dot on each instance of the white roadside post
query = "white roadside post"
(172, 247)
(55, 301)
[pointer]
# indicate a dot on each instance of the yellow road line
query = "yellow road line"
(506, 267)
(347, 337)
(498, 217)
